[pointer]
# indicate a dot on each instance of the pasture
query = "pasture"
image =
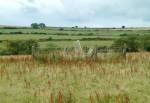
(55, 36)
(54, 78)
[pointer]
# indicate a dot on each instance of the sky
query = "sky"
(90, 13)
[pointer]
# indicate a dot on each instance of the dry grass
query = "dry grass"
(105, 80)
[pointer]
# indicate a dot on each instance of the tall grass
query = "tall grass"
(103, 80)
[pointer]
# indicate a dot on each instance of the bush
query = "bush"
(145, 43)
(134, 43)
(20, 47)
(9, 27)
(50, 38)
(61, 29)
(19, 32)
(37, 33)
(131, 42)
(124, 34)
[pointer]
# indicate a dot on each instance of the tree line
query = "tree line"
(38, 26)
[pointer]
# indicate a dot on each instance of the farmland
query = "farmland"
(57, 36)
(56, 77)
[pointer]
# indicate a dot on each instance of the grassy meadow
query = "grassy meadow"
(110, 78)
(104, 80)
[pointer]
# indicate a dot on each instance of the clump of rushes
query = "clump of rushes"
(61, 98)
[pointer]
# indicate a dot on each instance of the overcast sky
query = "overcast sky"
(92, 13)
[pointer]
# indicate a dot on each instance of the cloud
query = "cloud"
(43, 6)
(76, 12)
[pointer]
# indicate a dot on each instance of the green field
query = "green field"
(58, 77)
(67, 36)
(71, 43)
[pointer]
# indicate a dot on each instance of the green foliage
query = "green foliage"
(20, 47)
(42, 25)
(34, 25)
(145, 43)
(50, 38)
(61, 29)
(131, 42)
(37, 26)
(123, 27)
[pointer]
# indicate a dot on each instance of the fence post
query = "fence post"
(65, 51)
(124, 50)
(33, 50)
(95, 52)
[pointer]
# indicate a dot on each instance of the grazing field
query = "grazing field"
(104, 80)
(65, 36)
(62, 44)
(74, 76)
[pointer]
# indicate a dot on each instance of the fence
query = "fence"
(79, 51)
(86, 52)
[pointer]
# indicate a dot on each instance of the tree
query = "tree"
(123, 27)
(76, 27)
(34, 25)
(85, 27)
(42, 25)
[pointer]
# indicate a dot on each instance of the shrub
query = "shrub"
(145, 43)
(37, 33)
(80, 34)
(9, 27)
(124, 34)
(131, 42)
(50, 38)
(61, 29)
(20, 47)
(16, 32)
(90, 34)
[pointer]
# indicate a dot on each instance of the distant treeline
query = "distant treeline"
(9, 27)
(59, 34)
(70, 34)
